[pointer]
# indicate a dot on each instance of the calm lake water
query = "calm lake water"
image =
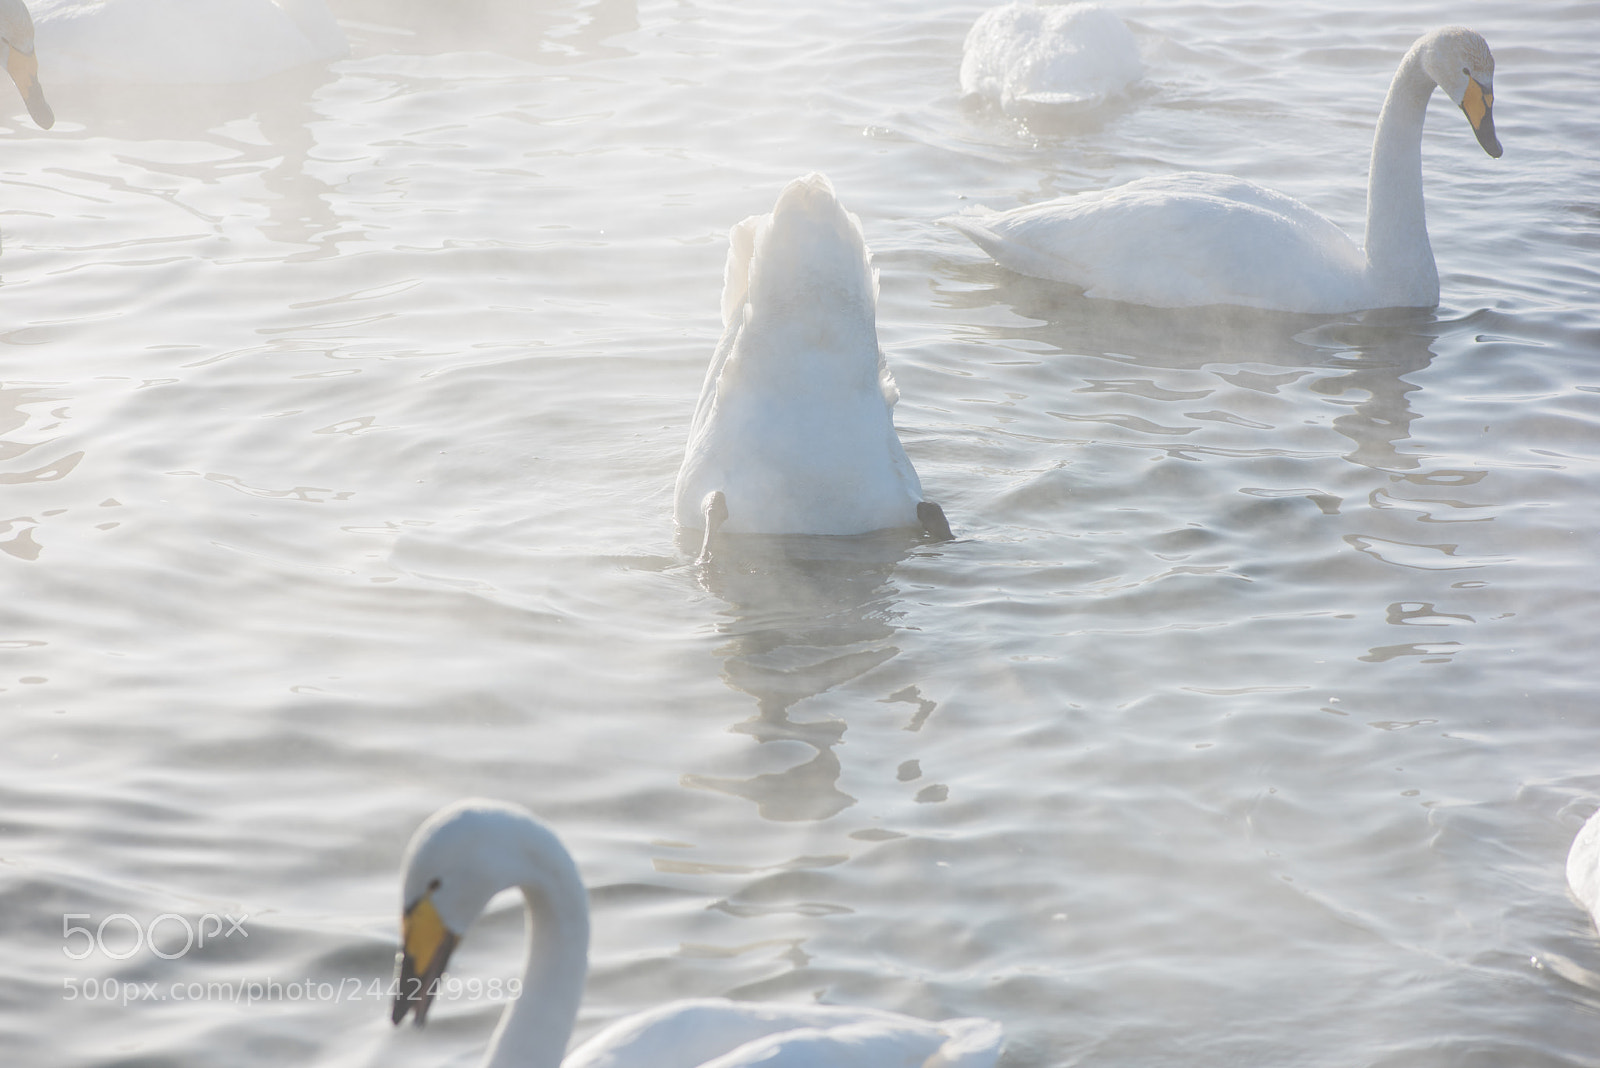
(1247, 720)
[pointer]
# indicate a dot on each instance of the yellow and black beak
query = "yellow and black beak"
(1478, 103)
(425, 948)
(24, 70)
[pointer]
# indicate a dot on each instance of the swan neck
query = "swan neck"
(1399, 257)
(535, 1029)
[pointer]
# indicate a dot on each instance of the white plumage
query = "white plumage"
(1026, 57)
(794, 431)
(183, 42)
(1193, 239)
(1583, 866)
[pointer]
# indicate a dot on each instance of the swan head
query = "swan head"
(459, 858)
(1460, 62)
(16, 35)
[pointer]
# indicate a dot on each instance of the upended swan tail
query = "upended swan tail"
(808, 253)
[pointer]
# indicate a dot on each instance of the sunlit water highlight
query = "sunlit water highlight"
(1247, 720)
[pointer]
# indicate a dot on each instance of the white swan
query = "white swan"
(1194, 239)
(183, 42)
(1025, 57)
(16, 36)
(794, 433)
(1583, 866)
(467, 852)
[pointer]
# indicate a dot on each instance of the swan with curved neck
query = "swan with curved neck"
(1193, 239)
(794, 430)
(471, 850)
(16, 35)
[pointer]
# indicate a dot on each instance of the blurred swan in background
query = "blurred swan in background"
(469, 851)
(1583, 867)
(794, 431)
(1192, 239)
(16, 35)
(183, 42)
(1026, 57)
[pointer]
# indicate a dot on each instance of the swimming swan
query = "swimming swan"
(183, 42)
(1193, 239)
(16, 35)
(1027, 57)
(1583, 866)
(469, 851)
(793, 433)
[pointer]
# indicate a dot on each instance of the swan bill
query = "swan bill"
(425, 948)
(1478, 104)
(24, 70)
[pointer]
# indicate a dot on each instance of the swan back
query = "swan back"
(1024, 56)
(1179, 241)
(717, 1033)
(794, 423)
(183, 42)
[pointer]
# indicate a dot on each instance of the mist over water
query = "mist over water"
(1248, 718)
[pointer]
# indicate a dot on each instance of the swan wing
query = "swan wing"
(714, 1033)
(1177, 241)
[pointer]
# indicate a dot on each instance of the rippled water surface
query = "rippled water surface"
(1247, 721)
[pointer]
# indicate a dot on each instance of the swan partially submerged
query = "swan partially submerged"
(183, 42)
(1193, 239)
(469, 851)
(794, 431)
(1026, 57)
(16, 37)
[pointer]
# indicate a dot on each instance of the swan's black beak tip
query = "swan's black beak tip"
(1487, 138)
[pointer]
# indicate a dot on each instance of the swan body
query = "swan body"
(1583, 866)
(183, 42)
(469, 851)
(1024, 57)
(794, 431)
(1193, 239)
(16, 38)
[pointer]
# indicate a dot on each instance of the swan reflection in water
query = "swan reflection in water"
(806, 614)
